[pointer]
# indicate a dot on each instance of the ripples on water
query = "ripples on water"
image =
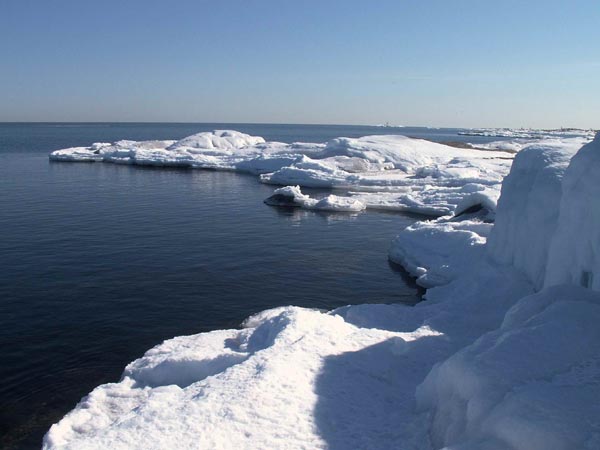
(101, 262)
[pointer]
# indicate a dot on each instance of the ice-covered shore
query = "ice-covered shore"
(380, 172)
(503, 354)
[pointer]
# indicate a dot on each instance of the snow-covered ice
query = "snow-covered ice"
(293, 196)
(438, 252)
(381, 172)
(503, 354)
(528, 133)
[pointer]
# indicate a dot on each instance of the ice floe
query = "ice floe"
(293, 196)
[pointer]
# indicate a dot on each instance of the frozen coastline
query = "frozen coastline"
(380, 172)
(503, 354)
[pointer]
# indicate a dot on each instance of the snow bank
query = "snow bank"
(438, 252)
(547, 226)
(296, 378)
(575, 252)
(528, 209)
(252, 388)
(293, 378)
(531, 384)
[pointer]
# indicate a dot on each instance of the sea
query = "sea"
(101, 262)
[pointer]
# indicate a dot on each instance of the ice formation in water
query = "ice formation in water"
(504, 354)
(293, 196)
(381, 172)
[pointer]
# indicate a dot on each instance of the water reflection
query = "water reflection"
(297, 214)
(408, 279)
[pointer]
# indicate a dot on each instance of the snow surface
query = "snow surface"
(504, 354)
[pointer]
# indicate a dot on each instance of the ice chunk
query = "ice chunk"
(438, 252)
(293, 196)
(82, 154)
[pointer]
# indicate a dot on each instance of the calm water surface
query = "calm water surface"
(100, 262)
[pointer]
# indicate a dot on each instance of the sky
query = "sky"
(455, 63)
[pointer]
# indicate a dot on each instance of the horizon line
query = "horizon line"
(302, 124)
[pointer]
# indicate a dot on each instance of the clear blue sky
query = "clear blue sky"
(410, 62)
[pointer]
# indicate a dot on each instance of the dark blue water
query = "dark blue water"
(100, 262)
